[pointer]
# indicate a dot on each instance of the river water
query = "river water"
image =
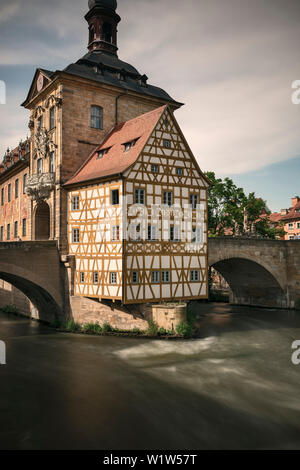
(233, 388)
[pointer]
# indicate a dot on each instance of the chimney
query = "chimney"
(295, 200)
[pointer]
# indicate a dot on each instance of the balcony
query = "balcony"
(39, 187)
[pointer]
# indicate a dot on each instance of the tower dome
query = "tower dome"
(112, 4)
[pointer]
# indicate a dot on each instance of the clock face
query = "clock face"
(40, 82)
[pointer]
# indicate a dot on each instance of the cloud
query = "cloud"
(231, 61)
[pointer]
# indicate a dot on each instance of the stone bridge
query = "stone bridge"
(35, 268)
(259, 272)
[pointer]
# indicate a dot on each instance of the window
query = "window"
(291, 226)
(40, 122)
(167, 198)
(103, 152)
(81, 278)
(129, 145)
(113, 278)
(1, 233)
(115, 197)
(52, 163)
(167, 144)
(135, 277)
(76, 235)
(75, 203)
(194, 200)
(9, 193)
(16, 230)
(155, 168)
(24, 183)
(92, 34)
(24, 228)
(16, 189)
(298, 224)
(179, 171)
(115, 233)
(52, 117)
(107, 32)
(152, 232)
(291, 237)
(174, 234)
(165, 277)
(8, 232)
(196, 235)
(155, 277)
(96, 117)
(139, 196)
(95, 278)
(194, 276)
(2, 196)
(39, 166)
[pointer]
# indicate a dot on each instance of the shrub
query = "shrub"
(152, 329)
(72, 326)
(137, 331)
(184, 329)
(106, 328)
(87, 328)
(297, 304)
(10, 309)
(162, 332)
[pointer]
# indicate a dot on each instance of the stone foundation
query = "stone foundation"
(85, 310)
(169, 316)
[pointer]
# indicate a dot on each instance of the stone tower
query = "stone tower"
(72, 110)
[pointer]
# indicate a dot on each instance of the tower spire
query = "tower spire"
(103, 22)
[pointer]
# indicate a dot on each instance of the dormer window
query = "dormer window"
(122, 76)
(129, 145)
(102, 152)
(143, 80)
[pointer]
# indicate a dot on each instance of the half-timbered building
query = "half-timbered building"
(137, 215)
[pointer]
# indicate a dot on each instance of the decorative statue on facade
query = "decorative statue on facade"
(39, 187)
(42, 142)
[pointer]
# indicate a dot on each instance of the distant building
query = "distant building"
(291, 219)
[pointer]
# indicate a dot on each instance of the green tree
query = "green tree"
(230, 209)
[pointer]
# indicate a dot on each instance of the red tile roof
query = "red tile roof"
(294, 213)
(275, 217)
(116, 161)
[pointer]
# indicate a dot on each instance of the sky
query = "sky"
(232, 62)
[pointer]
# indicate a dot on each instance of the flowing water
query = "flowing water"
(233, 388)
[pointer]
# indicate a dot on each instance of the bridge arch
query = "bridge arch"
(35, 268)
(251, 283)
(38, 296)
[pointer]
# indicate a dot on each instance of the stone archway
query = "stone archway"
(47, 308)
(251, 283)
(42, 221)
